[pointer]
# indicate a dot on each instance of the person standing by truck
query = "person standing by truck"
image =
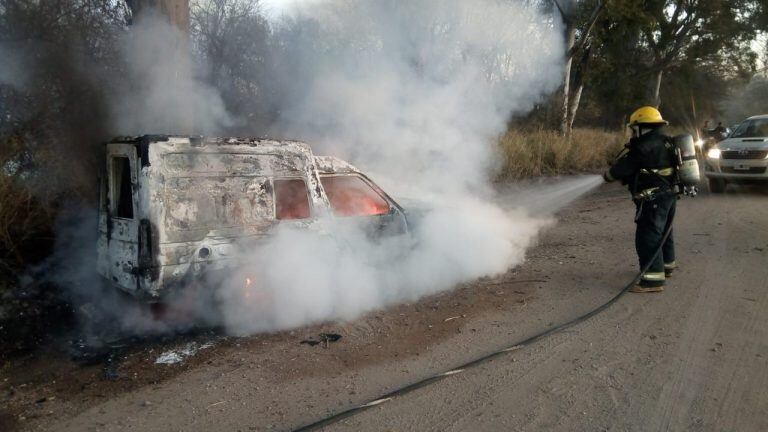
(720, 132)
(647, 167)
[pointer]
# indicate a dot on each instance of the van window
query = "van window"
(122, 200)
(351, 196)
(291, 199)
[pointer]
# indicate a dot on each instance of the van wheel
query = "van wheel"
(717, 185)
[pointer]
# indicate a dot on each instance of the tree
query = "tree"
(749, 101)
(231, 38)
(676, 30)
(569, 14)
(56, 58)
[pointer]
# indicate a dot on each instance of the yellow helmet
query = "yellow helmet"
(646, 115)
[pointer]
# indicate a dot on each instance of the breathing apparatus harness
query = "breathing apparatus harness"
(680, 179)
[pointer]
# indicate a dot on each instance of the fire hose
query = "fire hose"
(334, 418)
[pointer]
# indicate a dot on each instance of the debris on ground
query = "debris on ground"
(176, 356)
(110, 366)
(310, 342)
(324, 338)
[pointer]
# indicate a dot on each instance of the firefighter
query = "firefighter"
(647, 167)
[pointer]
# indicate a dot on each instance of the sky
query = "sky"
(275, 8)
(758, 46)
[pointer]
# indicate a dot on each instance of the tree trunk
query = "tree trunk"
(570, 35)
(578, 82)
(575, 100)
(568, 15)
(656, 90)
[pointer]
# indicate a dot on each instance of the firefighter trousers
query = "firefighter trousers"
(653, 218)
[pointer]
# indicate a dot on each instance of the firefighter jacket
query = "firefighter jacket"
(648, 165)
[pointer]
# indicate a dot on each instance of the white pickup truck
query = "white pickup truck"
(741, 157)
(175, 208)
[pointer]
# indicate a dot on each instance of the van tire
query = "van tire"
(717, 185)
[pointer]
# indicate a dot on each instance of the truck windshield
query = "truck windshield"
(350, 195)
(757, 128)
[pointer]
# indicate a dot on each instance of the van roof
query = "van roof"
(334, 165)
(199, 140)
(165, 144)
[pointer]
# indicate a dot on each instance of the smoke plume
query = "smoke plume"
(162, 90)
(415, 90)
(415, 93)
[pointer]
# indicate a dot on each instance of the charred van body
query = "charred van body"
(174, 209)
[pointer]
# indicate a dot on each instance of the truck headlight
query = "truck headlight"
(713, 153)
(699, 143)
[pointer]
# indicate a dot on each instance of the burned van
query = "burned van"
(174, 208)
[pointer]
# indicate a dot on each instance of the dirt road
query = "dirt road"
(692, 358)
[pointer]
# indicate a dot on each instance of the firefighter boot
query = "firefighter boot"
(646, 289)
(669, 268)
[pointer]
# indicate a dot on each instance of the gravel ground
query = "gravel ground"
(692, 358)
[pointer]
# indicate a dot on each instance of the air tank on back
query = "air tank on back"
(688, 169)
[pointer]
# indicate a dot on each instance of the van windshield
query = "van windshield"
(350, 195)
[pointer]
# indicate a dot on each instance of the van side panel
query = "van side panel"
(205, 201)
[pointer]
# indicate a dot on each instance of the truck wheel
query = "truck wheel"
(717, 185)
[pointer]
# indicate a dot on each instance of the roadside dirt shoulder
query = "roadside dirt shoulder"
(274, 381)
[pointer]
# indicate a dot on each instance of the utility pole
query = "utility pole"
(176, 13)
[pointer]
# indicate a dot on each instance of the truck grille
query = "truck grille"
(752, 170)
(745, 154)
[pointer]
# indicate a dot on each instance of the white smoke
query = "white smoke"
(162, 91)
(303, 276)
(415, 93)
(12, 69)
(404, 87)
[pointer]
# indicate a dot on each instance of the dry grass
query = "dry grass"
(543, 152)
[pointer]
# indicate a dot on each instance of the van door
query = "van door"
(122, 218)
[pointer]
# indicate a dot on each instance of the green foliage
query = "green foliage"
(700, 48)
